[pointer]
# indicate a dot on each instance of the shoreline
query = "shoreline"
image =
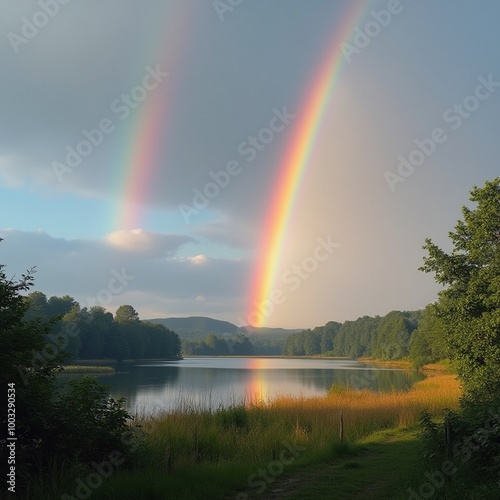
(269, 356)
(405, 364)
(103, 362)
(402, 364)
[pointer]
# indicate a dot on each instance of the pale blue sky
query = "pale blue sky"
(225, 78)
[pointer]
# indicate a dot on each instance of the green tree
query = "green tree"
(428, 341)
(92, 423)
(311, 343)
(117, 346)
(47, 420)
(420, 352)
(136, 338)
(241, 345)
(95, 331)
(188, 347)
(294, 345)
(69, 328)
(470, 303)
(162, 342)
(59, 306)
(37, 306)
(357, 338)
(32, 376)
(328, 333)
(393, 336)
(211, 341)
(126, 314)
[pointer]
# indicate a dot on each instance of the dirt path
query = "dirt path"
(383, 468)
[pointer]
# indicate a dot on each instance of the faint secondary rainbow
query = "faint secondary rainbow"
(295, 160)
(142, 156)
(147, 129)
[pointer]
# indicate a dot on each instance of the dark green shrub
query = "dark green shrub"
(235, 417)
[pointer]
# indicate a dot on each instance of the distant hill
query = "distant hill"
(197, 327)
(264, 330)
(197, 324)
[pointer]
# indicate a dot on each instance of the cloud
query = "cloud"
(154, 279)
(62, 83)
(9, 176)
(197, 259)
(139, 241)
(16, 174)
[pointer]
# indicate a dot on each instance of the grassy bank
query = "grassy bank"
(258, 450)
(87, 369)
(382, 465)
(241, 451)
(443, 366)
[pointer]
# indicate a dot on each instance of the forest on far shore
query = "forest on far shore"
(94, 333)
(414, 334)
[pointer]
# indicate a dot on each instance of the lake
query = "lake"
(207, 382)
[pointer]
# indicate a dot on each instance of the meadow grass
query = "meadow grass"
(77, 369)
(381, 465)
(193, 452)
(201, 453)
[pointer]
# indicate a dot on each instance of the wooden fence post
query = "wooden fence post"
(341, 429)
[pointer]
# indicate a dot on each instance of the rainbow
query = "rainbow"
(142, 162)
(294, 164)
(147, 132)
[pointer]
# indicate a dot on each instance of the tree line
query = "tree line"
(416, 335)
(235, 345)
(465, 323)
(83, 425)
(97, 334)
(77, 423)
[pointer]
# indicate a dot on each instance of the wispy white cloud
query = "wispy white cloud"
(161, 281)
(146, 243)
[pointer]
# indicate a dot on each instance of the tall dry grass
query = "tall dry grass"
(364, 411)
(198, 453)
(73, 369)
(259, 430)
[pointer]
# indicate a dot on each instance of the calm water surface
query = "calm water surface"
(153, 386)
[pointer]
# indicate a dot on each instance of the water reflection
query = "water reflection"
(212, 382)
